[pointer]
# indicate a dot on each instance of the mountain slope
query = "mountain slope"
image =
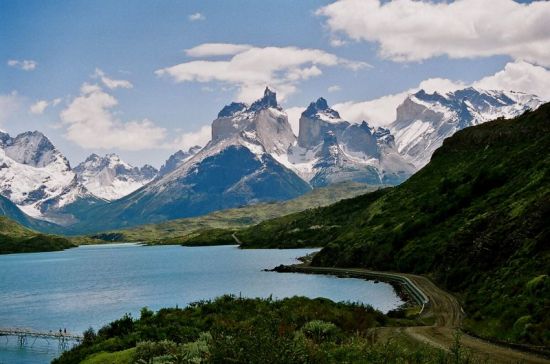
(9, 210)
(476, 218)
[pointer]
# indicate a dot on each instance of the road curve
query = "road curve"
(447, 314)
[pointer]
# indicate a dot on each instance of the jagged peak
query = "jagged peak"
(268, 100)
(232, 109)
(320, 107)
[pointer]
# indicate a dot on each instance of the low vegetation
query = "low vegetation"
(14, 238)
(234, 330)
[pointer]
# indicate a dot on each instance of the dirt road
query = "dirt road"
(447, 314)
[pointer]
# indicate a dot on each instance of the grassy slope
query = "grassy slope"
(183, 230)
(14, 238)
(476, 218)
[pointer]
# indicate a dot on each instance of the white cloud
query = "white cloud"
(216, 49)
(337, 42)
(39, 107)
(25, 64)
(409, 30)
(190, 139)
(90, 123)
(251, 69)
(9, 105)
(334, 88)
(111, 83)
(196, 17)
(517, 76)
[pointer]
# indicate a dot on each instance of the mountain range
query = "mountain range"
(253, 157)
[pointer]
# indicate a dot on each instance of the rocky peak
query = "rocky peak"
(32, 148)
(316, 121)
(320, 106)
(269, 100)
(231, 109)
(148, 171)
(110, 178)
(177, 159)
(263, 123)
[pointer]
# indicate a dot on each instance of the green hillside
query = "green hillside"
(476, 219)
(15, 238)
(183, 230)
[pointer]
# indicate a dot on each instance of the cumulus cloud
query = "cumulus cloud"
(334, 88)
(111, 83)
(25, 64)
(39, 107)
(250, 69)
(196, 17)
(517, 76)
(409, 30)
(91, 123)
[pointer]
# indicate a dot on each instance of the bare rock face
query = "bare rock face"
(425, 120)
(264, 121)
(317, 120)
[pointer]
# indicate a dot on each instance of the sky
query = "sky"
(145, 78)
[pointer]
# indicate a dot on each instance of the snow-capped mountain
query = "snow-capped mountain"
(35, 175)
(331, 150)
(425, 120)
(237, 167)
(176, 159)
(110, 178)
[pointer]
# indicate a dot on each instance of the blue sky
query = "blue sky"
(65, 43)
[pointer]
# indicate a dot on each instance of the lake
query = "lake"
(90, 286)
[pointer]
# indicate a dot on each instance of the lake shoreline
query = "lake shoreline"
(401, 290)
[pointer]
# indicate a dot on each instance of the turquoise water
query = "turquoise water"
(90, 286)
